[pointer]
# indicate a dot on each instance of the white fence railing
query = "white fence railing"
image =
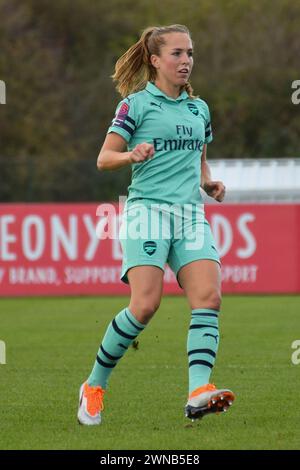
(258, 180)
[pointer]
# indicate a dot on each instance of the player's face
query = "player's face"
(175, 62)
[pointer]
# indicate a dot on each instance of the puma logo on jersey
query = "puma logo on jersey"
(156, 104)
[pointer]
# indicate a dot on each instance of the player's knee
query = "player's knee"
(144, 309)
(210, 298)
(216, 304)
(213, 299)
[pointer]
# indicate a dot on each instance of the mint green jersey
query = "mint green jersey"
(178, 129)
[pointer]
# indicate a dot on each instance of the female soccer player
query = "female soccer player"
(162, 130)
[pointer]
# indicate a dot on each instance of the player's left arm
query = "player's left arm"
(214, 189)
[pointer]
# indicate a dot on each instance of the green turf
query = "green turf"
(51, 345)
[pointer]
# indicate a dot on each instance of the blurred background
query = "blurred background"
(59, 284)
(57, 57)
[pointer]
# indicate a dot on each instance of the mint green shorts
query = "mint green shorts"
(153, 234)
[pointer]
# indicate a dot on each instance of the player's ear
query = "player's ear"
(154, 60)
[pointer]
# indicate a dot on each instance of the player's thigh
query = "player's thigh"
(195, 261)
(201, 282)
(146, 285)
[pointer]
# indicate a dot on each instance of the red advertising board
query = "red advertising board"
(54, 249)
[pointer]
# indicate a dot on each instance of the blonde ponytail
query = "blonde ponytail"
(188, 88)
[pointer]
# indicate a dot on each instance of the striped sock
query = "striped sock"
(202, 346)
(120, 333)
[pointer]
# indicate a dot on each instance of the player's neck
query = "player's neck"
(173, 91)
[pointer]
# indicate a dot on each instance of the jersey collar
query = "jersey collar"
(157, 92)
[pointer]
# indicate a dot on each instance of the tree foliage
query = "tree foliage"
(57, 58)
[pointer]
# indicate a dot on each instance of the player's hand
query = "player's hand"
(141, 152)
(215, 189)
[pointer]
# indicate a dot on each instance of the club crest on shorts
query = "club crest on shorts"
(193, 108)
(149, 247)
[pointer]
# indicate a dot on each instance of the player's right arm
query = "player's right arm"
(113, 153)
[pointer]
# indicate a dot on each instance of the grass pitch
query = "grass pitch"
(51, 344)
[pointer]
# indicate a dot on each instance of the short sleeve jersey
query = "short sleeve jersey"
(178, 129)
